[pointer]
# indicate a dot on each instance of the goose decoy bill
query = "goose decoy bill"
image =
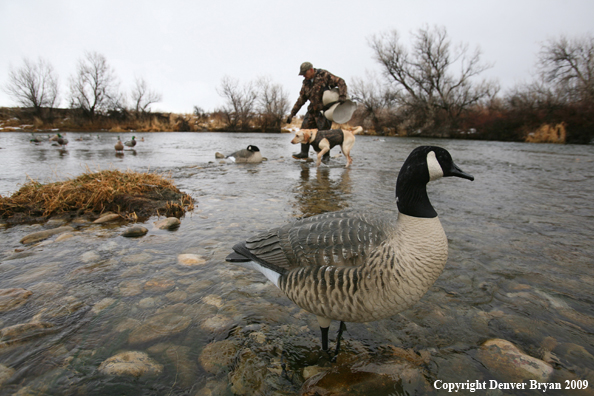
(353, 266)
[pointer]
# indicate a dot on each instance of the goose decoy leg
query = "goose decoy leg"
(324, 327)
(341, 328)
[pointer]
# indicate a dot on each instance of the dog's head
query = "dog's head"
(303, 136)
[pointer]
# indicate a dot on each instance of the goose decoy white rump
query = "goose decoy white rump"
(251, 155)
(358, 267)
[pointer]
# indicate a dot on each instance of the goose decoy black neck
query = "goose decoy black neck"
(424, 164)
(353, 266)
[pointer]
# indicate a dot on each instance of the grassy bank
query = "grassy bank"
(131, 194)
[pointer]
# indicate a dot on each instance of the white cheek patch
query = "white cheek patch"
(435, 171)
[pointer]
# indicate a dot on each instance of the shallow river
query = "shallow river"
(520, 269)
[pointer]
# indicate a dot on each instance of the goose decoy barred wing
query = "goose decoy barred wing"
(354, 266)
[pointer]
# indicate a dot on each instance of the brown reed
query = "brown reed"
(89, 192)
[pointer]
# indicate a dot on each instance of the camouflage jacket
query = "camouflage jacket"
(314, 88)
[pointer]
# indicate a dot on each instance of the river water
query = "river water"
(520, 269)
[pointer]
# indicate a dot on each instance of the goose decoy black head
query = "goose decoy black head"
(251, 154)
(354, 266)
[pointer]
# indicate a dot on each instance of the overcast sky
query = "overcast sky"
(184, 48)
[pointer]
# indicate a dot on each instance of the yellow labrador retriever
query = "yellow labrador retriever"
(323, 141)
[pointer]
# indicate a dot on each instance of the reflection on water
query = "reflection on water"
(519, 270)
(318, 193)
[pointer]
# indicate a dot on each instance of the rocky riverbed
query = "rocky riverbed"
(151, 307)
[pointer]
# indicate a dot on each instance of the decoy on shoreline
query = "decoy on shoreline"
(352, 266)
(251, 155)
(119, 146)
(131, 143)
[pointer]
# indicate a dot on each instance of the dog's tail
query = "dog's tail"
(358, 130)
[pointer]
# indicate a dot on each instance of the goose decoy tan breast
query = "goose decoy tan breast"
(358, 267)
(119, 146)
(251, 155)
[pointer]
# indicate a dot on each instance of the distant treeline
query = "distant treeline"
(429, 87)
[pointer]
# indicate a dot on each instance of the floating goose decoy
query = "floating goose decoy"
(131, 143)
(358, 267)
(119, 146)
(251, 154)
(62, 141)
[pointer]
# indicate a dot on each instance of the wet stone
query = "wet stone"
(177, 296)
(107, 218)
(510, 364)
(159, 285)
(64, 237)
(160, 325)
(217, 323)
(190, 260)
(218, 356)
(135, 231)
(41, 235)
(131, 288)
(13, 298)
(103, 304)
(368, 378)
(169, 223)
(248, 376)
(134, 363)
(5, 374)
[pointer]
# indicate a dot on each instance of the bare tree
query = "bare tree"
(273, 103)
(34, 85)
(375, 99)
(568, 65)
(143, 97)
(422, 77)
(240, 103)
(94, 87)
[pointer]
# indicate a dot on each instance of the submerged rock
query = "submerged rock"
(190, 260)
(367, 378)
(132, 363)
(506, 361)
(13, 298)
(160, 325)
(5, 373)
(218, 356)
(41, 235)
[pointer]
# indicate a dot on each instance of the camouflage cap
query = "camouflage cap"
(305, 66)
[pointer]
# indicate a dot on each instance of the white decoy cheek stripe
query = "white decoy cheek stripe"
(435, 171)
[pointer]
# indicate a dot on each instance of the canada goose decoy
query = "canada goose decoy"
(131, 143)
(358, 267)
(62, 141)
(251, 155)
(119, 146)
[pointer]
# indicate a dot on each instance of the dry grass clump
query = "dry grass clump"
(121, 192)
(548, 134)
